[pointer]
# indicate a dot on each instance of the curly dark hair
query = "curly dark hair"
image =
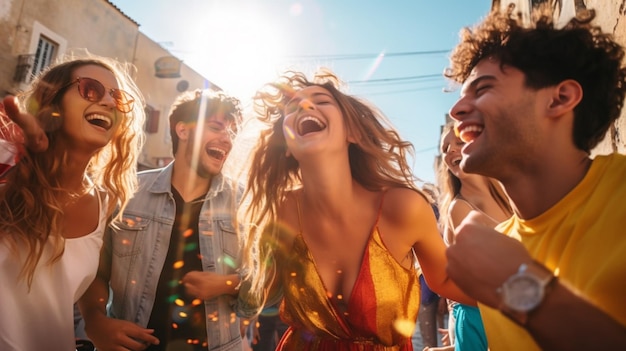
(186, 108)
(548, 55)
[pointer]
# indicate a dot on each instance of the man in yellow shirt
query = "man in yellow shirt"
(535, 100)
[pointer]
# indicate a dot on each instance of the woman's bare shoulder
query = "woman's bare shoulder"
(405, 203)
(407, 218)
(458, 210)
(287, 210)
(460, 207)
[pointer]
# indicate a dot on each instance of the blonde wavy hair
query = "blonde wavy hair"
(378, 160)
(31, 210)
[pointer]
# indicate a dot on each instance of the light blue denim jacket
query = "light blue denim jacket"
(137, 249)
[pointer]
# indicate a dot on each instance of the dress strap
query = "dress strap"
(299, 213)
(458, 197)
(380, 210)
(380, 206)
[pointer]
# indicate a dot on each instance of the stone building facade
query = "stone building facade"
(35, 33)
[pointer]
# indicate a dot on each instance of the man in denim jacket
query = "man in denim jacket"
(171, 264)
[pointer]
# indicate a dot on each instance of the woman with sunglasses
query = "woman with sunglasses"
(77, 133)
(341, 222)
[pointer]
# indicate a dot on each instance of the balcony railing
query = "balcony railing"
(24, 68)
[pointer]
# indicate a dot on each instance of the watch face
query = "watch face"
(522, 293)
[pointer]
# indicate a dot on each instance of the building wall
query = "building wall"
(611, 17)
(102, 29)
(93, 24)
(9, 30)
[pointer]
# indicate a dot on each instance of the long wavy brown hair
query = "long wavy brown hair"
(31, 210)
(378, 160)
(548, 55)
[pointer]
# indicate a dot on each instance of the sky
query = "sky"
(390, 53)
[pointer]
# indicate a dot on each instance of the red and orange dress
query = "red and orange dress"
(385, 299)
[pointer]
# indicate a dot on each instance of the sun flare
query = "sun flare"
(237, 48)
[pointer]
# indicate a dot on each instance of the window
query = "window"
(152, 120)
(45, 46)
(46, 51)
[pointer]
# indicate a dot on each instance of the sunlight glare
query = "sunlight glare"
(296, 9)
(237, 48)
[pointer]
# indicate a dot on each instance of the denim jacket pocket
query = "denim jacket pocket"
(229, 238)
(128, 236)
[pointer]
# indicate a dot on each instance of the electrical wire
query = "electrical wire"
(340, 57)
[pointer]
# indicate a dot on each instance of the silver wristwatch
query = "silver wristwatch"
(524, 291)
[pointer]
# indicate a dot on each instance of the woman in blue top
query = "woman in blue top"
(460, 194)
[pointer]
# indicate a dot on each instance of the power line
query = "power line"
(380, 81)
(426, 149)
(402, 91)
(365, 56)
(339, 57)
(395, 80)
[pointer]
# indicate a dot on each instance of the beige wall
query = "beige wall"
(93, 24)
(612, 21)
(609, 18)
(9, 31)
(102, 29)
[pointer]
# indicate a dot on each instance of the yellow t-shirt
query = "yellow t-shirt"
(582, 239)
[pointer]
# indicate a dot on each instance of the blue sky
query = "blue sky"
(381, 48)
